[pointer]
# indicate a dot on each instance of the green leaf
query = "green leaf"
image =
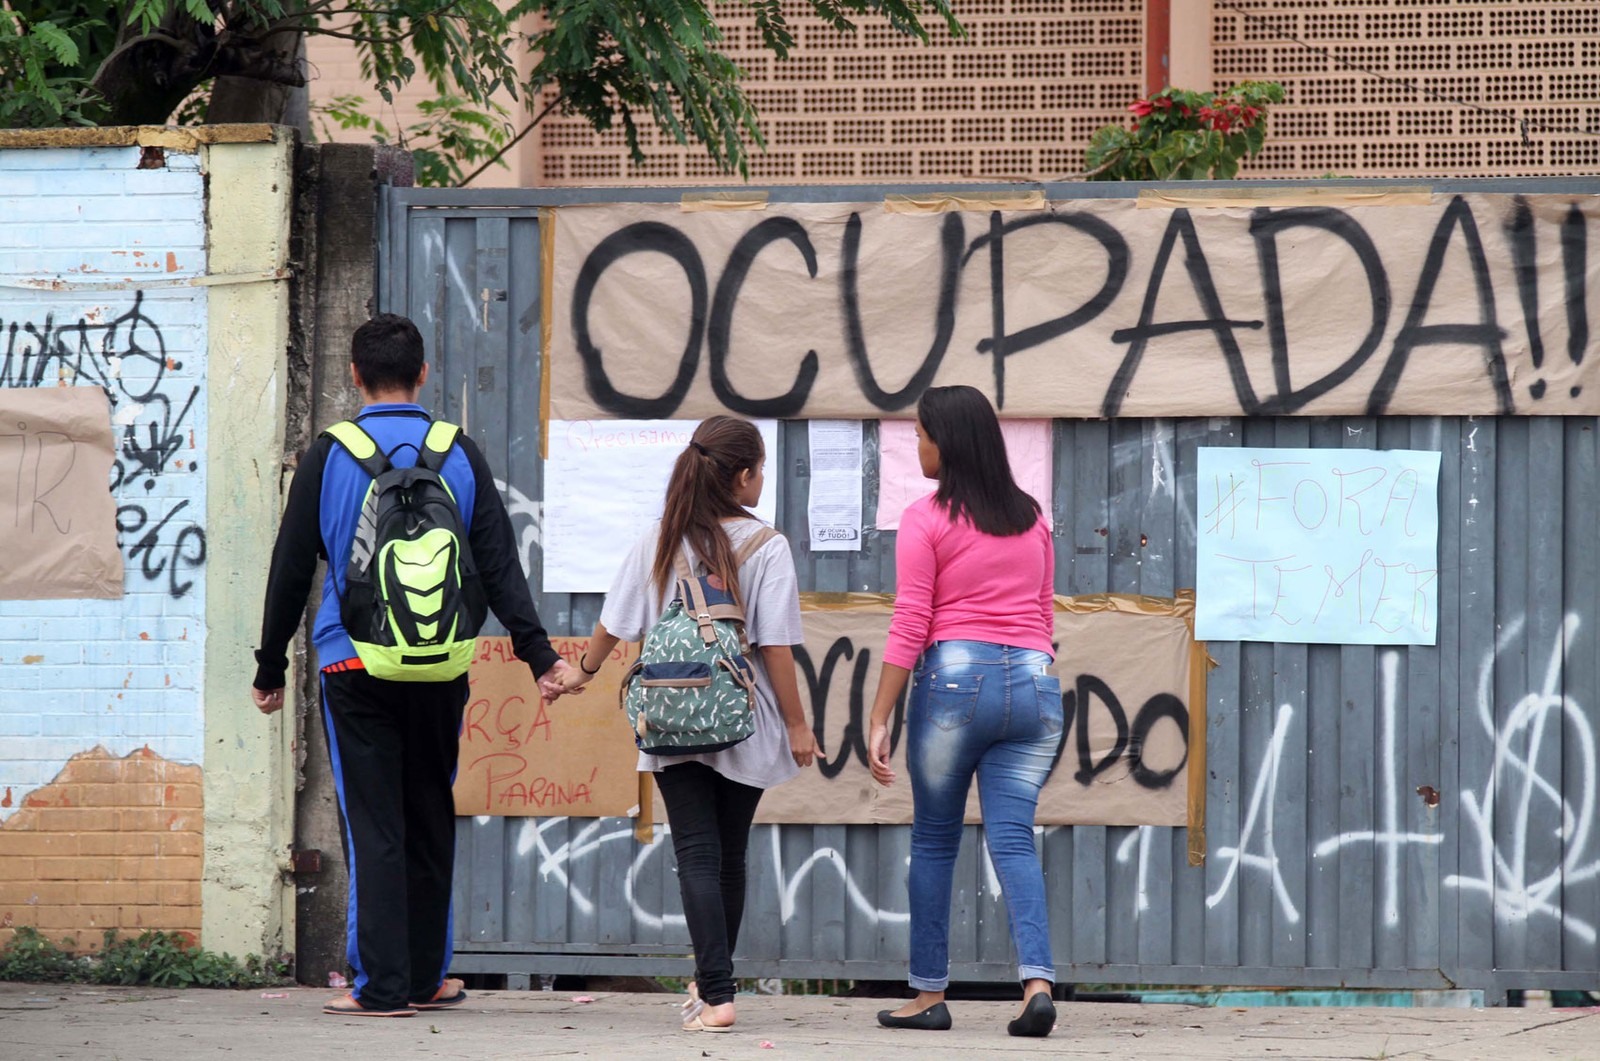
(61, 46)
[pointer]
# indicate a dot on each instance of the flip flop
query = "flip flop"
(449, 994)
(691, 1006)
(347, 1006)
(695, 1024)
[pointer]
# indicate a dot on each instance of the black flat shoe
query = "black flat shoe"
(1038, 1018)
(936, 1018)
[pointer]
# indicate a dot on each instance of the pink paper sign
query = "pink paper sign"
(900, 479)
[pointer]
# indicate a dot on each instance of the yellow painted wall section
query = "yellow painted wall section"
(247, 895)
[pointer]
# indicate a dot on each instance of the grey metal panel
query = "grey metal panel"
(1382, 817)
(1582, 674)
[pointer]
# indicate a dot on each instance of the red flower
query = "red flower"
(1140, 107)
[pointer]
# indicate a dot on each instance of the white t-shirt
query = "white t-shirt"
(771, 594)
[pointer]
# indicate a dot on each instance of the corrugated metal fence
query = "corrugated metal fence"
(1413, 817)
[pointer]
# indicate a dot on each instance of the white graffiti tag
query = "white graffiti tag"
(1391, 840)
(527, 512)
(1266, 792)
(1520, 888)
(553, 862)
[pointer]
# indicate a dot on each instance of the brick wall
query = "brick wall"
(108, 677)
(1370, 85)
(1022, 94)
(111, 843)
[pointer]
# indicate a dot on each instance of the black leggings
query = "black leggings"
(710, 818)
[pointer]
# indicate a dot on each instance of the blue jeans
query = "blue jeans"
(993, 710)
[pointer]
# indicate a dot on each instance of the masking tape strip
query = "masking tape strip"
(644, 825)
(1200, 662)
(695, 202)
(547, 280)
(944, 204)
(845, 602)
(1171, 199)
(1127, 604)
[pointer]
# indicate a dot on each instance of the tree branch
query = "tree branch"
(155, 36)
(509, 144)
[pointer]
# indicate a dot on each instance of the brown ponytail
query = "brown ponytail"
(700, 497)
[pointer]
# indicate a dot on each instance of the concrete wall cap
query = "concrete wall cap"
(186, 139)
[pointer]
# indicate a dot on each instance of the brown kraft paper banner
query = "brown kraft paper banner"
(1126, 665)
(1429, 304)
(519, 757)
(58, 519)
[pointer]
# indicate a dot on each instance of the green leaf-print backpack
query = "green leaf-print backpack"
(693, 689)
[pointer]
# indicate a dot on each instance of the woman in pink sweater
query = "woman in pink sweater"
(975, 601)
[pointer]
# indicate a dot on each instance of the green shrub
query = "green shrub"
(159, 959)
(30, 957)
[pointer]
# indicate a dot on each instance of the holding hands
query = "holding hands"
(564, 677)
(561, 679)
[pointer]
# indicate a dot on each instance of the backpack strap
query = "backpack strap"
(680, 563)
(695, 604)
(359, 445)
(437, 444)
(752, 545)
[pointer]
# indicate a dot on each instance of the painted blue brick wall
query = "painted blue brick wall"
(120, 674)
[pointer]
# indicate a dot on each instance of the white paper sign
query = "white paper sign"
(604, 482)
(1318, 546)
(833, 510)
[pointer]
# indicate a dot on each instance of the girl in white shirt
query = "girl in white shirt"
(711, 798)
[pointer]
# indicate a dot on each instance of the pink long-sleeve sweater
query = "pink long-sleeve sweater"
(955, 583)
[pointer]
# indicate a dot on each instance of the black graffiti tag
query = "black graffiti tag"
(1089, 696)
(156, 558)
(819, 680)
(126, 357)
(1077, 705)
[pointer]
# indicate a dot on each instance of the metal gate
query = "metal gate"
(1376, 817)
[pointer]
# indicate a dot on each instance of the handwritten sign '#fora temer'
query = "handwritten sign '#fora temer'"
(521, 757)
(1320, 546)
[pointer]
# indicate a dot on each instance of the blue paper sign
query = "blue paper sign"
(1319, 546)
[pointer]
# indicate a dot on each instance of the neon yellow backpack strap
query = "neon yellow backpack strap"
(441, 436)
(360, 445)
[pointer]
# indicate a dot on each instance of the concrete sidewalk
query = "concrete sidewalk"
(44, 1023)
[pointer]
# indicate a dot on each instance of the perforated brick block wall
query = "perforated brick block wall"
(1511, 61)
(1018, 98)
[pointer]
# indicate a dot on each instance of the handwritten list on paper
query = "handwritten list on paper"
(833, 508)
(1333, 546)
(605, 481)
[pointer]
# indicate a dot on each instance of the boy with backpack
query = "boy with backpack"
(418, 543)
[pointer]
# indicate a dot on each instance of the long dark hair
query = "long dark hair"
(700, 497)
(975, 477)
